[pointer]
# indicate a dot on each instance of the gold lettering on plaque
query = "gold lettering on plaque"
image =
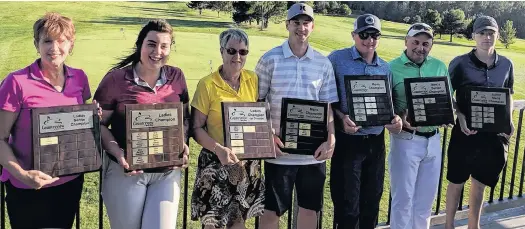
(155, 134)
(156, 150)
(48, 141)
(237, 142)
(156, 142)
(290, 145)
(305, 126)
(248, 129)
(238, 150)
(304, 133)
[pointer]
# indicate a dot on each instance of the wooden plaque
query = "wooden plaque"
(154, 135)
(487, 109)
(429, 101)
(303, 125)
(369, 100)
(248, 129)
(66, 139)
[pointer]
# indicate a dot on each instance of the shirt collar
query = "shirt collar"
(287, 51)
(36, 72)
(356, 56)
(160, 81)
(479, 63)
(217, 79)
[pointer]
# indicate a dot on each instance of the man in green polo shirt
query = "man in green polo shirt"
(415, 153)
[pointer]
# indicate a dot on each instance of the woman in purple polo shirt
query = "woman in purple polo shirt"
(35, 199)
(149, 198)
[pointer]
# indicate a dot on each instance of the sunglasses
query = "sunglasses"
(365, 36)
(242, 52)
(424, 27)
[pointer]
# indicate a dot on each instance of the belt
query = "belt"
(422, 134)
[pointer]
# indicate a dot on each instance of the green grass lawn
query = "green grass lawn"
(107, 31)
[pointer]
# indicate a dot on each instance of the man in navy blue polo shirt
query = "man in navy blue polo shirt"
(358, 165)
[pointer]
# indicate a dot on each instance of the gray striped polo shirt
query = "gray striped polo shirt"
(284, 75)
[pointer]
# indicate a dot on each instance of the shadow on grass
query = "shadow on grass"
(163, 12)
(398, 37)
(173, 22)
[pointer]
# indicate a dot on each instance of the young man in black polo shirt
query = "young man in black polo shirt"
(481, 156)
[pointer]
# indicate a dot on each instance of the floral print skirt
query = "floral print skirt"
(223, 195)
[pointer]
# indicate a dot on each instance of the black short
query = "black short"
(280, 179)
(481, 156)
(52, 207)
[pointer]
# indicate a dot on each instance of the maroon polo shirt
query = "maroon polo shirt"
(118, 88)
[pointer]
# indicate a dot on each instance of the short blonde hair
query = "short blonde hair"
(54, 25)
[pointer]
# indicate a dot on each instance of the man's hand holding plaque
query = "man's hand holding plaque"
(396, 125)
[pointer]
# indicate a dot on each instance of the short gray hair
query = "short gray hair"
(236, 34)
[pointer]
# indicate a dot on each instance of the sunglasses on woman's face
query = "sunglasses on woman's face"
(232, 51)
(365, 35)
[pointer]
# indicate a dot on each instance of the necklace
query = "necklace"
(235, 87)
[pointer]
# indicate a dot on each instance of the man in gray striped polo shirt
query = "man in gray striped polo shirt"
(358, 169)
(295, 70)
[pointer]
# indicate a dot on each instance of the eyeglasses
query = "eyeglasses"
(365, 35)
(242, 52)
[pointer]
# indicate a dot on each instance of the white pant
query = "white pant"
(146, 201)
(414, 163)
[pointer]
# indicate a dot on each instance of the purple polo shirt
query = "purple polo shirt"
(25, 89)
(119, 87)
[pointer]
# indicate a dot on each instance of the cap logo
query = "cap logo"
(369, 20)
(302, 8)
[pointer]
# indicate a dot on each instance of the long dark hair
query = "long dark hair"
(158, 25)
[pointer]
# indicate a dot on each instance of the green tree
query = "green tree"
(416, 19)
(507, 34)
(333, 7)
(453, 21)
(199, 5)
(432, 18)
(263, 12)
(344, 10)
(224, 6)
(321, 6)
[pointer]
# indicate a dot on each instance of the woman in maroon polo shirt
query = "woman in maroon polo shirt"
(35, 199)
(149, 198)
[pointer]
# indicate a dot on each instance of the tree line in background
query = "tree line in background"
(452, 18)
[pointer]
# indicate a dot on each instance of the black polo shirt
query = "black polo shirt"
(468, 70)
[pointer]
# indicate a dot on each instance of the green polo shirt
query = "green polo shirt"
(402, 68)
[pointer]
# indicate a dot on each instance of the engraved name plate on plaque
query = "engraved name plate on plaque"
(487, 109)
(66, 139)
(369, 100)
(154, 135)
(248, 129)
(429, 101)
(303, 125)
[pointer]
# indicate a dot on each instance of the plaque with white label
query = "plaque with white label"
(248, 129)
(429, 101)
(369, 100)
(303, 125)
(66, 139)
(487, 109)
(154, 135)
